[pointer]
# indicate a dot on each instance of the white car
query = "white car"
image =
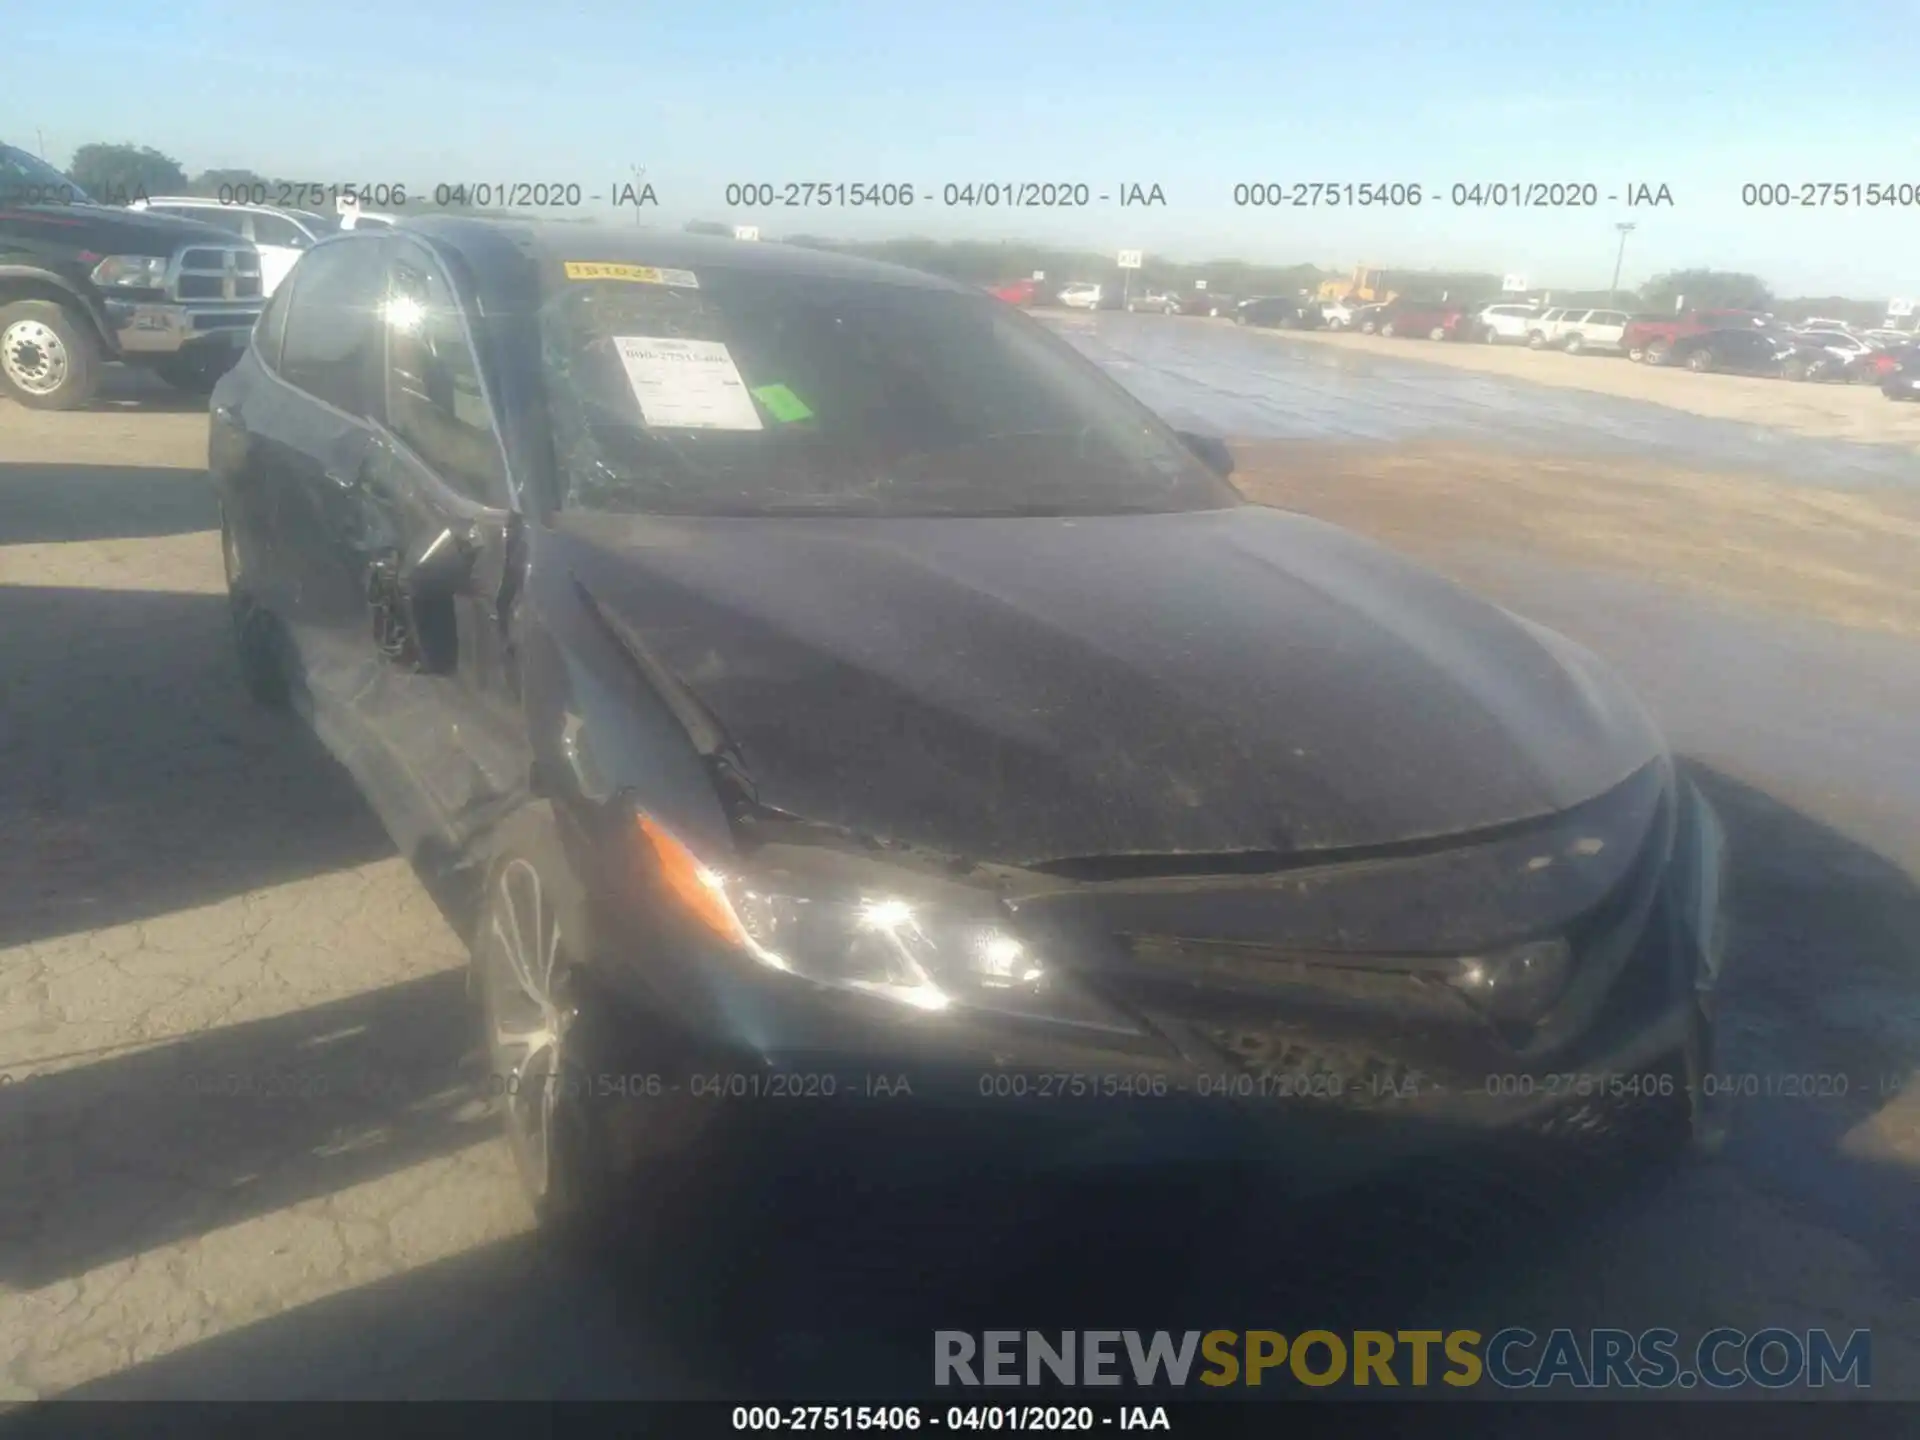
(1337, 313)
(1080, 296)
(281, 236)
(352, 217)
(1506, 323)
(1583, 330)
(1840, 342)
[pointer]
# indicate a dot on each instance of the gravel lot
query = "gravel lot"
(189, 891)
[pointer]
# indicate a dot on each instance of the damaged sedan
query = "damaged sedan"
(837, 689)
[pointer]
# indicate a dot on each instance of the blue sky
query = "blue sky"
(1700, 96)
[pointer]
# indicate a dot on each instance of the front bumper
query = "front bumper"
(1330, 1097)
(171, 327)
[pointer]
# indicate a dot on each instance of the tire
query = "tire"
(551, 1035)
(1656, 353)
(1130, 307)
(1795, 370)
(194, 371)
(1439, 332)
(257, 644)
(1637, 355)
(1386, 331)
(1536, 341)
(1700, 362)
(1367, 327)
(1575, 345)
(528, 937)
(50, 358)
(1490, 336)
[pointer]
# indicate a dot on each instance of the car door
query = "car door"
(430, 549)
(245, 471)
(316, 449)
(280, 242)
(1748, 350)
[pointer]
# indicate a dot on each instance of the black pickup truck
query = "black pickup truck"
(82, 284)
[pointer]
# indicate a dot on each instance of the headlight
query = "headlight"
(147, 272)
(1519, 983)
(853, 924)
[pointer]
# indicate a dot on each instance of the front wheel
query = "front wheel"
(50, 358)
(589, 1137)
(1386, 331)
(1490, 335)
(1439, 332)
(1700, 362)
(1575, 345)
(1656, 353)
(1536, 341)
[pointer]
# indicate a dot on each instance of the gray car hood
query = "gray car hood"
(1027, 690)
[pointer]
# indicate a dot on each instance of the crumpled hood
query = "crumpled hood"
(1024, 690)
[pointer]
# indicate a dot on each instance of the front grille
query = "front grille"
(205, 272)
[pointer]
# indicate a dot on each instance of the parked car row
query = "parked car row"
(1740, 342)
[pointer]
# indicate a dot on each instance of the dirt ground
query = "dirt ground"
(1846, 556)
(1833, 412)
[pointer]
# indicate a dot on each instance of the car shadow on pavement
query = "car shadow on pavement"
(1822, 1023)
(820, 1282)
(124, 1155)
(42, 504)
(135, 777)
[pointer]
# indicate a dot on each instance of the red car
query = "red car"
(1020, 292)
(1430, 319)
(1650, 339)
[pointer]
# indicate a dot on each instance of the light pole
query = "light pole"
(1625, 228)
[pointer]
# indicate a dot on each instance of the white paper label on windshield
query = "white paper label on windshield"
(686, 384)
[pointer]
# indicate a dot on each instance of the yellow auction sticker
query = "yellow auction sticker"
(640, 274)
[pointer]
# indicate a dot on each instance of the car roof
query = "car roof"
(493, 247)
(210, 202)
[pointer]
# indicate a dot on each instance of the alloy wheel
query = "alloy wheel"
(523, 980)
(34, 357)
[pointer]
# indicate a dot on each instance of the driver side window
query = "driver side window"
(436, 401)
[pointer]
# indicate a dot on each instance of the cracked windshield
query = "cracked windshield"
(824, 717)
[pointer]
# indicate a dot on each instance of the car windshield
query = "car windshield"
(755, 392)
(25, 178)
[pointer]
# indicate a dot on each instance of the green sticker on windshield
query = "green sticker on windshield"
(782, 403)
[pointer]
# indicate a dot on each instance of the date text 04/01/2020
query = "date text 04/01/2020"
(972, 194)
(908, 1419)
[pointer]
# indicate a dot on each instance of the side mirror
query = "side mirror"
(438, 571)
(1212, 451)
(425, 587)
